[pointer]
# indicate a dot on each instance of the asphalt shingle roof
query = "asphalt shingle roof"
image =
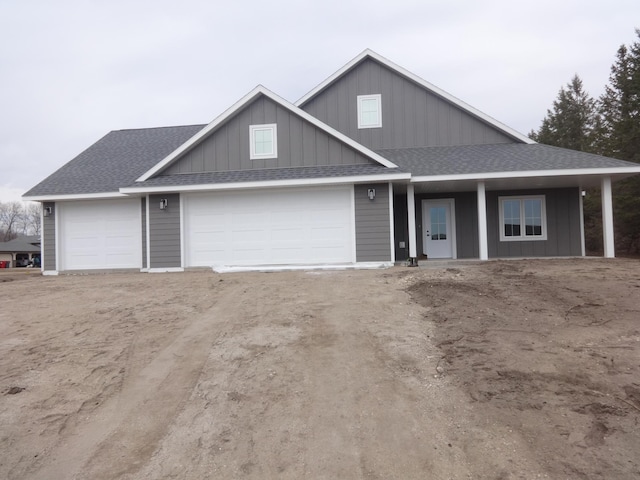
(122, 156)
(114, 161)
(266, 174)
(507, 157)
(26, 243)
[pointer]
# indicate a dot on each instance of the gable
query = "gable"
(412, 115)
(299, 143)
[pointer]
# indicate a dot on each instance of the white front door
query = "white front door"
(439, 228)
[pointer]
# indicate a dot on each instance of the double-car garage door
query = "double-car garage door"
(253, 227)
(269, 227)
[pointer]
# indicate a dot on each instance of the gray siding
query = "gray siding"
(563, 226)
(143, 207)
(49, 238)
(300, 144)
(164, 232)
(373, 234)
(400, 226)
(411, 115)
(466, 213)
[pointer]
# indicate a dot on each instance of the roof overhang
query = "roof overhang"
(420, 81)
(581, 178)
(267, 184)
(77, 196)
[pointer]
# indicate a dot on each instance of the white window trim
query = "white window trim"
(252, 141)
(523, 236)
(362, 98)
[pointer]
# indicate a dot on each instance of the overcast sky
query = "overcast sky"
(71, 71)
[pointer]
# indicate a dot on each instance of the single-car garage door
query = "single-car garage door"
(269, 227)
(100, 234)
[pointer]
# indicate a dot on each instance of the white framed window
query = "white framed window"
(370, 111)
(264, 141)
(523, 218)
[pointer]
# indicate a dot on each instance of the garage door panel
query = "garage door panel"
(100, 235)
(270, 227)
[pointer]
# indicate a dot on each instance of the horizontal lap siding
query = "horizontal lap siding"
(411, 115)
(164, 232)
(299, 144)
(563, 226)
(49, 238)
(373, 233)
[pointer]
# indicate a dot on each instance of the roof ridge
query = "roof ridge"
(158, 128)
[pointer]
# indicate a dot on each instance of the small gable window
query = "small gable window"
(264, 141)
(369, 111)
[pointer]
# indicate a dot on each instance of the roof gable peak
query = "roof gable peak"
(236, 107)
(368, 53)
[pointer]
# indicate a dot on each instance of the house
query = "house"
(21, 251)
(373, 165)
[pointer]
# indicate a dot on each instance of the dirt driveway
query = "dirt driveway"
(501, 370)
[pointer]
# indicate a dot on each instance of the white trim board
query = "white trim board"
(75, 196)
(260, 90)
(527, 174)
(268, 184)
(420, 81)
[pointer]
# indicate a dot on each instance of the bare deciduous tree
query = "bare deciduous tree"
(17, 218)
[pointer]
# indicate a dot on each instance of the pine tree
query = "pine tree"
(571, 122)
(619, 137)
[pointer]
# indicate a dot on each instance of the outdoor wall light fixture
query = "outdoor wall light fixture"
(46, 211)
(164, 203)
(371, 193)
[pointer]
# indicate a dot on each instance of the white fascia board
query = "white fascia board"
(420, 81)
(269, 184)
(78, 196)
(528, 174)
(240, 104)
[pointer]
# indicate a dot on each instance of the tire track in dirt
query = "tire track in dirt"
(123, 433)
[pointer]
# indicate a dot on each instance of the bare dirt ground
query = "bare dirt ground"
(501, 370)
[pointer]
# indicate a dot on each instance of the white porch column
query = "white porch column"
(482, 222)
(411, 213)
(582, 239)
(607, 218)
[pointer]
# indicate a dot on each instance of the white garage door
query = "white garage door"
(269, 227)
(100, 234)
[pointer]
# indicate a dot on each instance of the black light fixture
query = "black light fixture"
(164, 203)
(46, 211)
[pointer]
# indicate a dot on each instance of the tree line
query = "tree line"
(18, 218)
(609, 126)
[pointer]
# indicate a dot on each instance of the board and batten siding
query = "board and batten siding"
(300, 144)
(143, 207)
(411, 115)
(49, 238)
(164, 232)
(563, 226)
(373, 231)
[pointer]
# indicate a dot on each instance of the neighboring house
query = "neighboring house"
(373, 165)
(21, 251)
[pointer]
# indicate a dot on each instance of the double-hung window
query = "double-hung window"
(264, 141)
(369, 111)
(523, 218)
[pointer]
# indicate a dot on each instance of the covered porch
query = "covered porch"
(523, 214)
